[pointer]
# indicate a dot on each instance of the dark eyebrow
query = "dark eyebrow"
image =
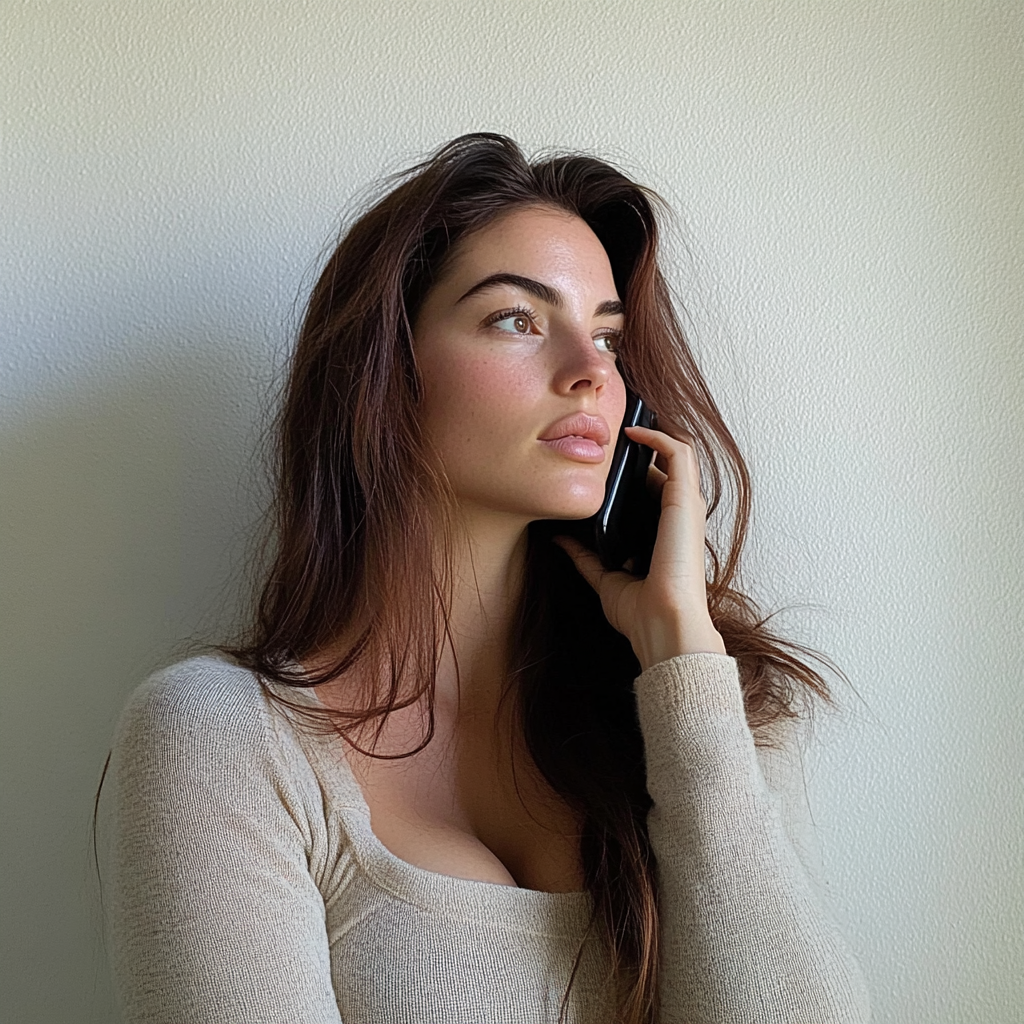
(539, 290)
(610, 307)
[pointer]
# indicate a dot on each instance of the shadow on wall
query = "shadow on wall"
(126, 515)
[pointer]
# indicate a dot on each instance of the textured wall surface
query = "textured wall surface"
(848, 181)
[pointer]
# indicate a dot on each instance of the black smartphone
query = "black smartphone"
(626, 524)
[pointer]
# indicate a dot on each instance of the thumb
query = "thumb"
(585, 560)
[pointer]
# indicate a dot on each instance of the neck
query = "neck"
(489, 559)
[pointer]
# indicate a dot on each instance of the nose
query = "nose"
(581, 366)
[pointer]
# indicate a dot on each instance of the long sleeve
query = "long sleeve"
(744, 934)
(213, 914)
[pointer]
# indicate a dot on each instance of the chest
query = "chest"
(460, 952)
(409, 946)
(470, 805)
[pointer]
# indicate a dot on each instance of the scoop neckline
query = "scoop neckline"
(435, 888)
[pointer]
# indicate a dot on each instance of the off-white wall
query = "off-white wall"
(848, 177)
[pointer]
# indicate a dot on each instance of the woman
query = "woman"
(456, 771)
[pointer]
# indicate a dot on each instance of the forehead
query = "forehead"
(535, 239)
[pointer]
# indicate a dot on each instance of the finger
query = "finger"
(585, 560)
(679, 463)
(678, 556)
(657, 472)
(604, 581)
(660, 460)
(681, 436)
(610, 586)
(655, 480)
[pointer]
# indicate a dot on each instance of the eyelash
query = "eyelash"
(615, 337)
(530, 314)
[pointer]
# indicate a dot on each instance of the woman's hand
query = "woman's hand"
(667, 613)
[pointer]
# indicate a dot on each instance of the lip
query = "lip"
(579, 436)
(579, 424)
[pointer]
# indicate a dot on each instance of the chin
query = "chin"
(578, 501)
(584, 513)
(547, 499)
(568, 509)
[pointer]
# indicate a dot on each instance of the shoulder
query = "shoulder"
(203, 703)
(198, 692)
(207, 722)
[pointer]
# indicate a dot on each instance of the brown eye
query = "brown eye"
(518, 323)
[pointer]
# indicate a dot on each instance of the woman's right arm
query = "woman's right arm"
(745, 936)
(212, 910)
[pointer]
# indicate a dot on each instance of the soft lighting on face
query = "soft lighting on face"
(521, 332)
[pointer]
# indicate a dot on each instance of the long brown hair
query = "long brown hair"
(361, 563)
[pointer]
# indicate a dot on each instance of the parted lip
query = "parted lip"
(579, 425)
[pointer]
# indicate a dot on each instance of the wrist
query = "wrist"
(662, 639)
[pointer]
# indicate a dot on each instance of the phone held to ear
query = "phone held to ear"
(626, 524)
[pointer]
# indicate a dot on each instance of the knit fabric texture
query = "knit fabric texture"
(243, 883)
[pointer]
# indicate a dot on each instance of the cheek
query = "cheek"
(480, 401)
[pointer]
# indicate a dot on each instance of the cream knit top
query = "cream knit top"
(244, 885)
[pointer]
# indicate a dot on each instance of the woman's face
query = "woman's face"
(514, 340)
